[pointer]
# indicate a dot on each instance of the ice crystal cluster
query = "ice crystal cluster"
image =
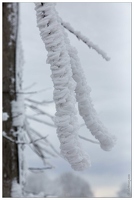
(69, 85)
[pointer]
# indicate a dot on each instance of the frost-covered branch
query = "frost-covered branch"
(85, 106)
(51, 32)
(85, 40)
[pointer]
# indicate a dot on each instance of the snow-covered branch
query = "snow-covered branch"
(66, 121)
(85, 40)
(85, 106)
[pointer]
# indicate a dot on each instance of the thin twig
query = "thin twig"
(17, 142)
(34, 92)
(39, 169)
(92, 141)
(29, 86)
(85, 40)
(41, 111)
(52, 147)
(40, 121)
(37, 102)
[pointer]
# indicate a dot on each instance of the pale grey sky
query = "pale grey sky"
(109, 26)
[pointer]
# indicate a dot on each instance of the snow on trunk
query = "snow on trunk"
(52, 34)
(5, 116)
(16, 190)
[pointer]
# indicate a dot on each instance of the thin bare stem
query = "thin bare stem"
(34, 92)
(41, 111)
(52, 147)
(30, 86)
(40, 121)
(89, 140)
(37, 102)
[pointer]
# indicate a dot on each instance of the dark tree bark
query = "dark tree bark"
(10, 150)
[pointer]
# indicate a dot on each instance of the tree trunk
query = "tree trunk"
(10, 149)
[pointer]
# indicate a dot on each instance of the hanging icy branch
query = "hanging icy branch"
(85, 40)
(66, 121)
(86, 108)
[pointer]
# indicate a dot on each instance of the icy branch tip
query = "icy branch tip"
(85, 40)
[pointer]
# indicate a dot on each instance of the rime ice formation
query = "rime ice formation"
(5, 116)
(18, 111)
(51, 32)
(85, 40)
(16, 191)
(69, 80)
(85, 106)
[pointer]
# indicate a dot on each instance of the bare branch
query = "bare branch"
(41, 111)
(17, 142)
(38, 169)
(30, 86)
(37, 102)
(34, 92)
(92, 141)
(40, 121)
(52, 147)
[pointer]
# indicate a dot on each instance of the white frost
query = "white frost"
(13, 21)
(16, 191)
(5, 116)
(85, 106)
(85, 40)
(18, 111)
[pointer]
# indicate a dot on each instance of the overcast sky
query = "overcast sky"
(109, 26)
